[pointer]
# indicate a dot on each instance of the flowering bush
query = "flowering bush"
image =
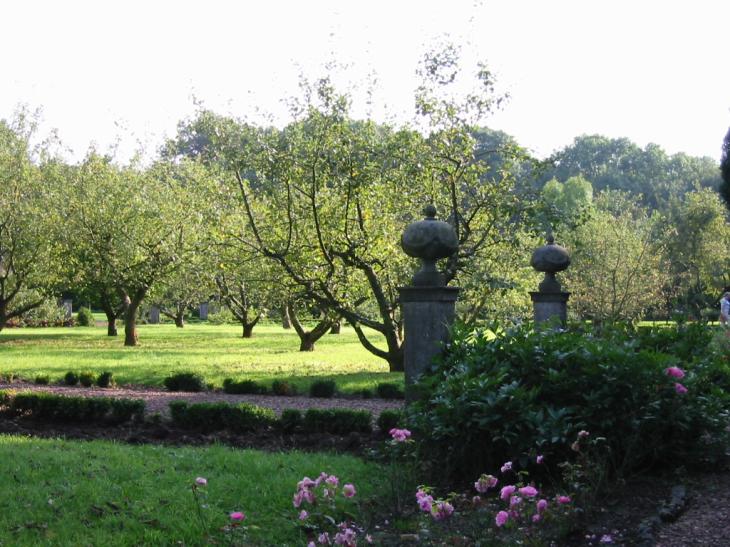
(525, 390)
(319, 503)
(518, 511)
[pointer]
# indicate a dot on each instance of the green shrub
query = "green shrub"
(322, 388)
(105, 379)
(247, 417)
(87, 379)
(686, 341)
(387, 390)
(337, 420)
(244, 387)
(42, 380)
(6, 396)
(47, 406)
(283, 388)
(123, 410)
(365, 393)
(492, 400)
(389, 419)
(291, 420)
(70, 379)
(208, 417)
(185, 381)
(85, 318)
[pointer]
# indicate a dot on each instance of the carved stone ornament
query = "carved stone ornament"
(550, 258)
(429, 239)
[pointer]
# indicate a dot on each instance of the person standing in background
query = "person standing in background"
(725, 310)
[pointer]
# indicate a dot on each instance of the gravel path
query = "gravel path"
(156, 401)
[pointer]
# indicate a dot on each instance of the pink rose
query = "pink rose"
(306, 483)
(506, 492)
(528, 491)
(501, 518)
(679, 388)
(349, 490)
(441, 510)
(536, 517)
(563, 499)
(200, 481)
(425, 503)
(541, 505)
(506, 467)
(237, 516)
(303, 515)
(484, 483)
(539, 459)
(674, 372)
(399, 435)
(582, 434)
(515, 500)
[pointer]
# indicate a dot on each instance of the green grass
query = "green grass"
(55, 492)
(214, 351)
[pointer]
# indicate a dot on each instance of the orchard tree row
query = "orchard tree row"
(309, 217)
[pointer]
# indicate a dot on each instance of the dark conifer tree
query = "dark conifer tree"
(725, 170)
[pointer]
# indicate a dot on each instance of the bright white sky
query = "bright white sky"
(652, 71)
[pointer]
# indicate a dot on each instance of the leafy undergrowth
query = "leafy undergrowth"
(101, 493)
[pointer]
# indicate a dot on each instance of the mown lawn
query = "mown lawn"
(214, 351)
(55, 492)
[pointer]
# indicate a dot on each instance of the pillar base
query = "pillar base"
(550, 306)
(428, 313)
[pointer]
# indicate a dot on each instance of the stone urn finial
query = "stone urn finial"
(429, 239)
(550, 258)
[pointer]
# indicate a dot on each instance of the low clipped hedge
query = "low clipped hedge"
(208, 417)
(337, 420)
(244, 417)
(323, 389)
(185, 381)
(243, 387)
(389, 390)
(47, 406)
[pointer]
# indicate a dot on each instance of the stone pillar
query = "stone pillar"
(550, 303)
(550, 306)
(154, 315)
(67, 305)
(428, 313)
(204, 311)
(428, 305)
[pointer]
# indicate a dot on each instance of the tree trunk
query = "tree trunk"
(306, 342)
(395, 361)
(180, 320)
(285, 319)
(111, 314)
(308, 338)
(130, 329)
(111, 326)
(336, 327)
(130, 317)
(248, 330)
